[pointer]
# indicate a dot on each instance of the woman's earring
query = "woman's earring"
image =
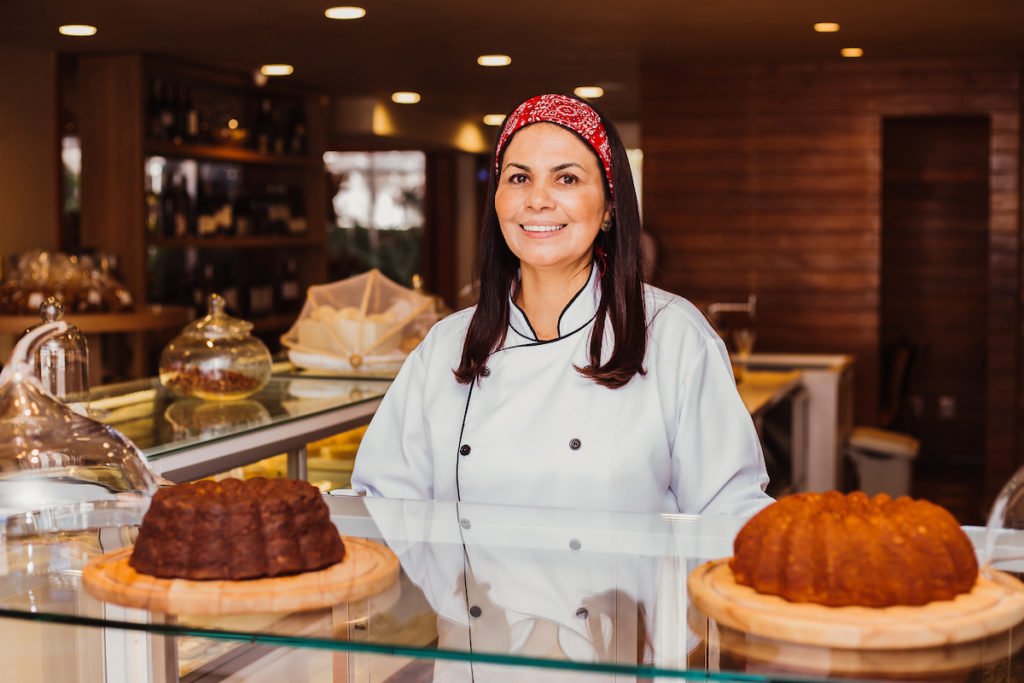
(606, 226)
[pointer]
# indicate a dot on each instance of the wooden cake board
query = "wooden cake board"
(994, 605)
(367, 569)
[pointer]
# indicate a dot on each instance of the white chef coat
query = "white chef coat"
(533, 431)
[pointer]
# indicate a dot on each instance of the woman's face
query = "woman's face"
(550, 198)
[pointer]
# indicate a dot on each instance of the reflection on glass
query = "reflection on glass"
(195, 418)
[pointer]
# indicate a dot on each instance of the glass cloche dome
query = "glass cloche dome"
(215, 358)
(51, 455)
(1004, 532)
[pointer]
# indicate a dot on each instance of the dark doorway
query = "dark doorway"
(934, 293)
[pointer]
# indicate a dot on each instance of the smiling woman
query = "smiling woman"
(551, 205)
(571, 383)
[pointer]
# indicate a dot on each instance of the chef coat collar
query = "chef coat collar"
(581, 309)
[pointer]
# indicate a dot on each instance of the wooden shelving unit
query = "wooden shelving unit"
(227, 153)
(115, 148)
(253, 242)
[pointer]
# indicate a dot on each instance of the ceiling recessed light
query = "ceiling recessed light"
(494, 119)
(852, 52)
(826, 27)
(405, 97)
(493, 60)
(277, 70)
(77, 30)
(589, 92)
(344, 13)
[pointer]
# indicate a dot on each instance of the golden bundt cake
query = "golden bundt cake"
(837, 550)
(236, 529)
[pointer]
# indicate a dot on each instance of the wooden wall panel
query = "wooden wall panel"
(934, 277)
(766, 178)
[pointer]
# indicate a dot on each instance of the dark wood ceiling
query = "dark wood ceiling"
(431, 47)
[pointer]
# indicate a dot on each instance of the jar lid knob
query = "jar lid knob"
(215, 305)
(51, 309)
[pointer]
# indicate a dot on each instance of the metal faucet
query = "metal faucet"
(750, 308)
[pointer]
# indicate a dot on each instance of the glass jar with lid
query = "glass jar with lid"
(61, 361)
(215, 358)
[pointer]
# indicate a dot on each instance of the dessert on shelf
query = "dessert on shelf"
(236, 530)
(836, 550)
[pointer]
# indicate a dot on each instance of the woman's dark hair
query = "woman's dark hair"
(622, 299)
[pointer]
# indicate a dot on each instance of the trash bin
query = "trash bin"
(883, 459)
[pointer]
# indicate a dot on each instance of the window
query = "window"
(376, 213)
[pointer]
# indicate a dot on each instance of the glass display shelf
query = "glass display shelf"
(485, 593)
(185, 439)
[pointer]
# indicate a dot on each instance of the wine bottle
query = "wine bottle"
(166, 205)
(152, 212)
(191, 119)
(263, 127)
(154, 110)
(203, 287)
(296, 211)
(289, 297)
(279, 132)
(298, 141)
(279, 212)
(242, 214)
(206, 219)
(260, 295)
(229, 289)
(180, 115)
(182, 211)
(166, 113)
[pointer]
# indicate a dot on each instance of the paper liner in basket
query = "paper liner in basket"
(363, 322)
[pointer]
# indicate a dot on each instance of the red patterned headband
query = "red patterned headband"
(566, 112)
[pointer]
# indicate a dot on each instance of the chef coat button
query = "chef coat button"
(465, 524)
(582, 613)
(475, 611)
(574, 544)
(465, 449)
(575, 444)
(486, 372)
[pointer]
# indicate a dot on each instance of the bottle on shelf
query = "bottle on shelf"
(180, 115)
(228, 286)
(242, 212)
(167, 112)
(203, 286)
(181, 208)
(206, 213)
(153, 212)
(298, 141)
(264, 127)
(191, 119)
(260, 295)
(154, 110)
(280, 134)
(289, 290)
(297, 211)
(279, 211)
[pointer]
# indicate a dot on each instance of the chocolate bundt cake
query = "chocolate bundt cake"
(837, 550)
(236, 529)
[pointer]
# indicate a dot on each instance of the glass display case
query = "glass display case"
(486, 593)
(186, 439)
